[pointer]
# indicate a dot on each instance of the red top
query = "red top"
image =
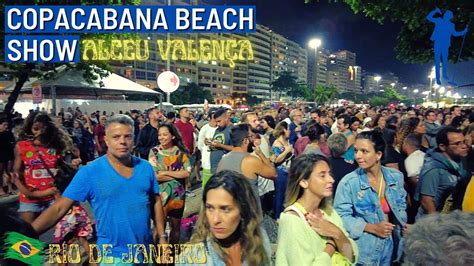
(99, 131)
(35, 174)
(384, 205)
(186, 130)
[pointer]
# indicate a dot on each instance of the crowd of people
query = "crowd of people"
(343, 185)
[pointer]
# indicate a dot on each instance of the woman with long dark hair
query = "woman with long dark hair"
(229, 225)
(310, 231)
(372, 203)
(41, 146)
(170, 161)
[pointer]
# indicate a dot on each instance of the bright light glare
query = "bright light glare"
(314, 43)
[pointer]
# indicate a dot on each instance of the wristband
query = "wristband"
(163, 236)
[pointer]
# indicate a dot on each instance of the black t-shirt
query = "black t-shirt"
(340, 168)
(393, 156)
(7, 146)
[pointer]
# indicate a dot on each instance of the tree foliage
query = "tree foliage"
(24, 71)
(320, 94)
(390, 95)
(413, 40)
(191, 94)
(379, 101)
(252, 100)
(287, 83)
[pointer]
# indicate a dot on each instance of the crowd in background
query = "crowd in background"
(342, 185)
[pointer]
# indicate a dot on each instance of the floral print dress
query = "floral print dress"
(172, 192)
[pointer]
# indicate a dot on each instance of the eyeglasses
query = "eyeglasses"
(459, 143)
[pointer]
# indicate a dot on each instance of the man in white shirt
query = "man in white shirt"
(206, 133)
(413, 164)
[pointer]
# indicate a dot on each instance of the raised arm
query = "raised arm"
(430, 16)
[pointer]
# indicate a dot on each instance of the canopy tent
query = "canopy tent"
(72, 82)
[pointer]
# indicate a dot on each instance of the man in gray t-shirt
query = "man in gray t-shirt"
(221, 142)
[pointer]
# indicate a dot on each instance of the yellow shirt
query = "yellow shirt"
(468, 201)
(298, 244)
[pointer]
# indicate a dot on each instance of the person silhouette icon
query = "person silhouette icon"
(441, 37)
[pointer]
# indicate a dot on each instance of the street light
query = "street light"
(441, 90)
(431, 77)
(314, 44)
(377, 79)
(404, 88)
(415, 91)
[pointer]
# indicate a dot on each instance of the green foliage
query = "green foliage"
(392, 95)
(378, 101)
(413, 40)
(320, 94)
(287, 83)
(191, 94)
(252, 100)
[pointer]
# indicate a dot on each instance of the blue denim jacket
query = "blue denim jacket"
(358, 204)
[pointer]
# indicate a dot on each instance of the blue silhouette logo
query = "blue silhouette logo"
(441, 37)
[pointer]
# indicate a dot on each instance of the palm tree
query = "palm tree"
(321, 94)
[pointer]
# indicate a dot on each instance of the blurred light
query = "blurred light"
(436, 86)
(404, 88)
(449, 94)
(392, 84)
(314, 43)
(415, 91)
(377, 78)
(442, 90)
(432, 74)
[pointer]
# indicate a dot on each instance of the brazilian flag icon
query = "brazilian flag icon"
(23, 248)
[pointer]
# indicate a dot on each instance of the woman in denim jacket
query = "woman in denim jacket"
(371, 202)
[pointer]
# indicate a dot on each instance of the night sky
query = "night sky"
(339, 28)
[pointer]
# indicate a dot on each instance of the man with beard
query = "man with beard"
(239, 160)
(220, 143)
(251, 119)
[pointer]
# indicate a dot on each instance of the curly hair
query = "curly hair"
(407, 126)
(53, 136)
(178, 140)
(251, 235)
